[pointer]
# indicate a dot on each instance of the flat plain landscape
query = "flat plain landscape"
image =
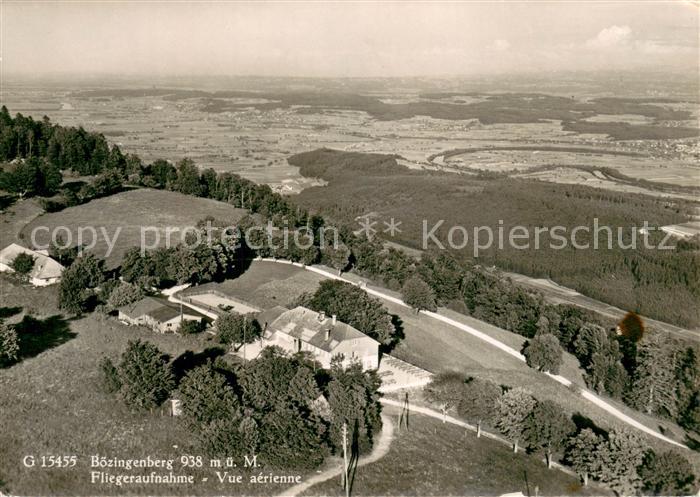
(252, 131)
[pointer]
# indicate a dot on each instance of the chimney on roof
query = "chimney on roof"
(328, 333)
(335, 319)
(322, 316)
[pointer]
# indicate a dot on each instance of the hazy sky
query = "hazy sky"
(345, 38)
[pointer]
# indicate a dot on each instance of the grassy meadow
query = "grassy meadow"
(436, 459)
(53, 404)
(130, 211)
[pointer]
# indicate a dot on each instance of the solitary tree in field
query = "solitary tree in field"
(478, 402)
(512, 411)
(447, 390)
(418, 294)
(72, 294)
(544, 353)
(237, 329)
(582, 453)
(23, 263)
(9, 345)
(548, 428)
(668, 473)
(145, 374)
(78, 283)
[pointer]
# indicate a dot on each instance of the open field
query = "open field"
(15, 217)
(125, 214)
(53, 404)
(436, 459)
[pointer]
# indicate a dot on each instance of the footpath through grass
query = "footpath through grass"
(433, 458)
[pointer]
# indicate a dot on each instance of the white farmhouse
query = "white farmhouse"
(46, 271)
(301, 329)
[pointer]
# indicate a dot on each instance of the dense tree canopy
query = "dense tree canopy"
(353, 306)
(9, 344)
(23, 263)
(548, 428)
(418, 294)
(233, 329)
(668, 473)
(513, 409)
(206, 396)
(544, 353)
(582, 454)
(145, 375)
(478, 403)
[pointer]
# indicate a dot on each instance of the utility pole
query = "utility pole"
(403, 416)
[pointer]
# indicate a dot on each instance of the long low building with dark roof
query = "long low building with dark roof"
(158, 314)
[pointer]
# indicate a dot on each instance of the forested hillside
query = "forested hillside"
(664, 284)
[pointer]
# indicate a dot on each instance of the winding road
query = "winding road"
(586, 394)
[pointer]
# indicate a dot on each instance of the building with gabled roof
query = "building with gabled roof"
(303, 330)
(46, 271)
(158, 314)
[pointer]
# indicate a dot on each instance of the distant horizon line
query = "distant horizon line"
(539, 74)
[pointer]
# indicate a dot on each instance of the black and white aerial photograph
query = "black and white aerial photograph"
(352, 248)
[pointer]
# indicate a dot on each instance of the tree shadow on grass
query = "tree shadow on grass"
(354, 456)
(189, 360)
(7, 201)
(692, 443)
(582, 422)
(399, 335)
(37, 335)
(6, 312)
